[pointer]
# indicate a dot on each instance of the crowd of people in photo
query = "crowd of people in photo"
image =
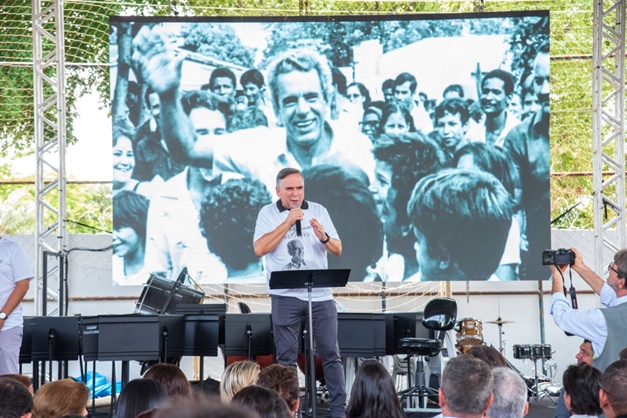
(477, 384)
(493, 154)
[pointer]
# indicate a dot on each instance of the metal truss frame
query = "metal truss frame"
(608, 128)
(50, 141)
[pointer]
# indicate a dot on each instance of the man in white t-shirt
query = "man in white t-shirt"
(275, 233)
(15, 277)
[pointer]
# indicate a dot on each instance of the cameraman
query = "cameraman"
(605, 328)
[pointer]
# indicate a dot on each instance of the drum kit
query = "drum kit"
(469, 333)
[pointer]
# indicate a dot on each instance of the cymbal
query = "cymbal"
(500, 322)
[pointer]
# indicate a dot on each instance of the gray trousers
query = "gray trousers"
(287, 313)
(10, 343)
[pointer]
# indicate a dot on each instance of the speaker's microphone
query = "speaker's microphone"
(299, 230)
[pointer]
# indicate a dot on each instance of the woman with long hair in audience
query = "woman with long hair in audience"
(61, 397)
(373, 394)
(139, 395)
(237, 376)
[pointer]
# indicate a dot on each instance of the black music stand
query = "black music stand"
(53, 338)
(308, 279)
(248, 334)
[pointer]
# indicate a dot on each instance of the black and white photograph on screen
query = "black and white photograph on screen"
(425, 136)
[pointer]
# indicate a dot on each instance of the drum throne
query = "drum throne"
(439, 316)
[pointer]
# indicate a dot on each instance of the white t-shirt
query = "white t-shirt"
(314, 251)
(14, 267)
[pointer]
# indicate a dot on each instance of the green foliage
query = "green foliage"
(217, 41)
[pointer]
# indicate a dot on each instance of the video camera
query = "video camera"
(558, 257)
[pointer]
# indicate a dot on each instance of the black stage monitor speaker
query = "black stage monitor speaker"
(162, 296)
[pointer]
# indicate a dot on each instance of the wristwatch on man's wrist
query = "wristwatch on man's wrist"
(3, 316)
(326, 240)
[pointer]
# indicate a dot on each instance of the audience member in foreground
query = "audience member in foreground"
(488, 354)
(284, 380)
(581, 390)
(466, 389)
(61, 397)
(373, 394)
(25, 380)
(613, 388)
(510, 394)
(266, 402)
(203, 408)
(171, 378)
(139, 395)
(236, 376)
(15, 400)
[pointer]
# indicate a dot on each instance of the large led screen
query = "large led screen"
(426, 138)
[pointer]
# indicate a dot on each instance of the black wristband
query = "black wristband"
(326, 240)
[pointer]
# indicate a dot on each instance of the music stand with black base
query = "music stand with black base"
(309, 279)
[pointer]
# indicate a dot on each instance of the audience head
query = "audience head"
(451, 122)
(491, 159)
(395, 121)
(370, 121)
(25, 380)
(344, 191)
(15, 399)
(496, 87)
(373, 394)
(453, 91)
(613, 388)
(488, 354)
(61, 397)
(222, 83)
(266, 402)
(466, 387)
(450, 212)
(139, 395)
(357, 93)
(171, 378)
(581, 389)
(123, 155)
(203, 408)
(284, 380)
(510, 394)
(252, 82)
(228, 215)
(387, 88)
(130, 214)
(623, 354)
(236, 376)
(585, 354)
(404, 89)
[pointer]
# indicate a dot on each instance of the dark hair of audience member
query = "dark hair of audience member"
(203, 407)
(363, 90)
(228, 215)
(130, 210)
(344, 192)
(171, 378)
(623, 354)
(284, 380)
(392, 109)
(504, 76)
(581, 384)
(60, 397)
(139, 395)
(493, 160)
(488, 354)
(614, 384)
(268, 403)
(373, 394)
(15, 399)
(23, 379)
